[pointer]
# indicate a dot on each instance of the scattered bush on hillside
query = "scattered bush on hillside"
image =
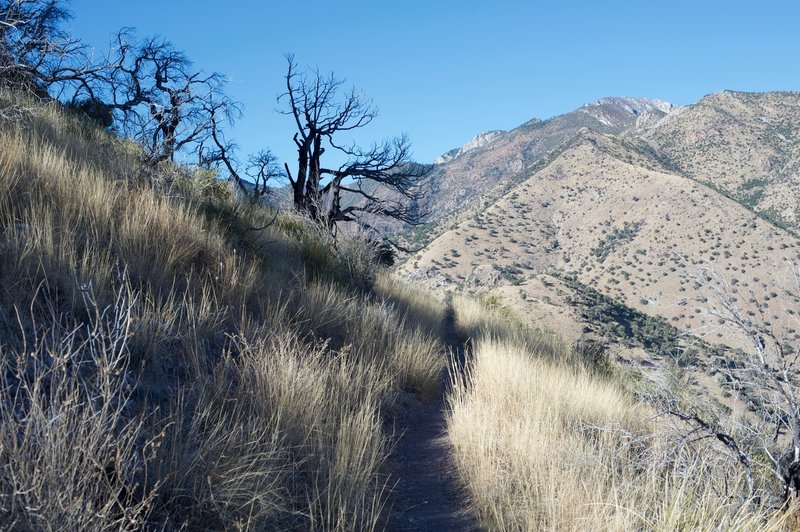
(616, 238)
(634, 328)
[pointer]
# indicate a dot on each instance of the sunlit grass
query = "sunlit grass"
(166, 364)
(545, 442)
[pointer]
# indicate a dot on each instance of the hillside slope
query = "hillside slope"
(475, 171)
(168, 355)
(606, 212)
(746, 145)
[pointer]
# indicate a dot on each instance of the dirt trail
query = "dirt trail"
(428, 494)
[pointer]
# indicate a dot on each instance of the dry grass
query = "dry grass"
(376, 333)
(488, 317)
(418, 306)
(164, 366)
(545, 443)
(72, 458)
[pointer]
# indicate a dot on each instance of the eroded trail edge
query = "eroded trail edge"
(429, 494)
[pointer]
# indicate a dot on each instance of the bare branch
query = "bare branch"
(37, 56)
(161, 100)
(380, 180)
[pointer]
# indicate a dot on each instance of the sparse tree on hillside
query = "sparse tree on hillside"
(379, 180)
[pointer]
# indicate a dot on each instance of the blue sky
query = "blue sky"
(443, 71)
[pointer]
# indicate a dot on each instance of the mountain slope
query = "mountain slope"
(747, 145)
(607, 212)
(474, 171)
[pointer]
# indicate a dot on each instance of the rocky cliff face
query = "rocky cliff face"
(478, 141)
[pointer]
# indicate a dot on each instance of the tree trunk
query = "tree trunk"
(313, 206)
(299, 186)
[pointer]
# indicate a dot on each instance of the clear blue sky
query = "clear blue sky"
(443, 71)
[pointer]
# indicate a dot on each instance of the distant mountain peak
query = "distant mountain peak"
(634, 106)
(478, 141)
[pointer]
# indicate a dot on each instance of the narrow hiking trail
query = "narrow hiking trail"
(429, 494)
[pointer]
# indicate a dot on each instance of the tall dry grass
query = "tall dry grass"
(72, 457)
(547, 443)
(420, 307)
(166, 366)
(376, 333)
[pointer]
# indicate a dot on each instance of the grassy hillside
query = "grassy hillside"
(167, 365)
(547, 438)
(605, 213)
(173, 358)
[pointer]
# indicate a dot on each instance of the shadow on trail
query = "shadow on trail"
(429, 494)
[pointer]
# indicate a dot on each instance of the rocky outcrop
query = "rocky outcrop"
(478, 141)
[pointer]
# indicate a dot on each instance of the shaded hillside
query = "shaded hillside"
(168, 355)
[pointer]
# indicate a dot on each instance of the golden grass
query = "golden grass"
(377, 334)
(415, 305)
(545, 443)
(164, 366)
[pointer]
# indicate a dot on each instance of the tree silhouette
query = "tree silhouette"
(379, 180)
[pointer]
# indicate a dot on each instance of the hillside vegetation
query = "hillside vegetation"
(176, 358)
(605, 213)
(608, 241)
(663, 240)
(745, 145)
(547, 438)
(168, 365)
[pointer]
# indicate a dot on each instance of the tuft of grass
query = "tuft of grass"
(376, 334)
(417, 306)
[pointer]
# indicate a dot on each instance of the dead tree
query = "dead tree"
(380, 180)
(217, 152)
(159, 99)
(769, 376)
(262, 167)
(765, 375)
(37, 56)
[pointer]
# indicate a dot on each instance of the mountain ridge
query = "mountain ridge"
(660, 215)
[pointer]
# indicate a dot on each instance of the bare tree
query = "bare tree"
(769, 376)
(37, 55)
(262, 167)
(379, 180)
(219, 153)
(160, 99)
(764, 374)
